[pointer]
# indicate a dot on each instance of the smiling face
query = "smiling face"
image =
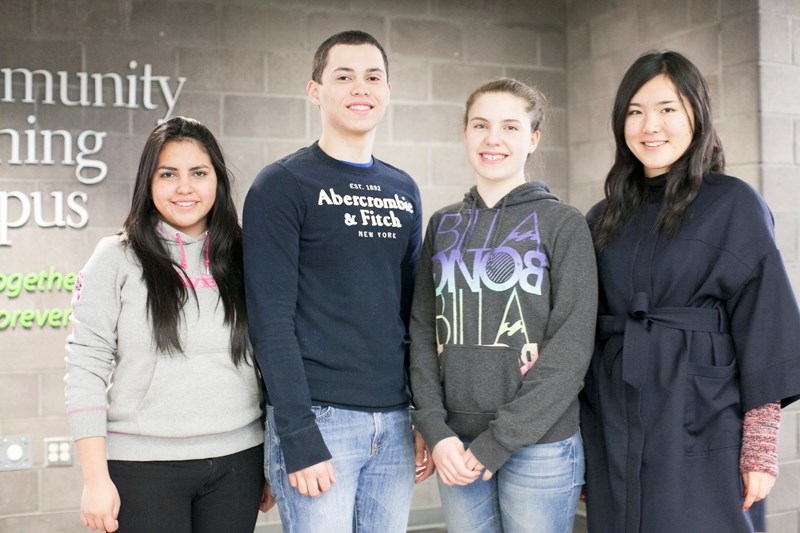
(353, 92)
(184, 186)
(659, 125)
(498, 139)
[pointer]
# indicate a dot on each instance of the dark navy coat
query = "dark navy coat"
(693, 332)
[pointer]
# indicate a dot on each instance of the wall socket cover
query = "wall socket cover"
(58, 451)
(15, 452)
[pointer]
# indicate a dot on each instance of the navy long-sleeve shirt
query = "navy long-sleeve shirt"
(330, 251)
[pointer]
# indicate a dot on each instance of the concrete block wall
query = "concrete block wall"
(720, 36)
(246, 64)
(779, 120)
(749, 51)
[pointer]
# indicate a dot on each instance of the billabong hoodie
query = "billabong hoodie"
(156, 406)
(502, 323)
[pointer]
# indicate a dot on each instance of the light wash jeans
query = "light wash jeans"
(373, 461)
(536, 490)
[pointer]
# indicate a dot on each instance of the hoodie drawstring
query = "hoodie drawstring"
(495, 232)
(496, 227)
(473, 214)
(184, 264)
(208, 262)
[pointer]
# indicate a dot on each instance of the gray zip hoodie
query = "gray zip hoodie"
(155, 406)
(502, 324)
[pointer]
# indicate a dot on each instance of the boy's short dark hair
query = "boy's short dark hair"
(350, 37)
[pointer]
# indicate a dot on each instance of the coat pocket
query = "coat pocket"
(713, 413)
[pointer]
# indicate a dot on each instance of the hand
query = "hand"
(100, 505)
(422, 459)
(756, 487)
(448, 456)
(267, 499)
(473, 464)
(313, 480)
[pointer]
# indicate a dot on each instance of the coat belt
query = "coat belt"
(631, 332)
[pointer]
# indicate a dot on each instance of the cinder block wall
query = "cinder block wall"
(778, 64)
(749, 50)
(246, 64)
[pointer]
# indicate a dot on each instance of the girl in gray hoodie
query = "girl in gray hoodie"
(162, 394)
(502, 328)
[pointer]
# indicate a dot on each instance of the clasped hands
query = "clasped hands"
(457, 465)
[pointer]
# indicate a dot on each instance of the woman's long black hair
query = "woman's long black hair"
(166, 291)
(625, 188)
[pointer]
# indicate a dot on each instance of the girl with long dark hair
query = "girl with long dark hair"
(163, 397)
(698, 326)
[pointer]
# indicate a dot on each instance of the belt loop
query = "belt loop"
(640, 305)
(723, 319)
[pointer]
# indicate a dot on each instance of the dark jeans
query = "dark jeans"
(196, 496)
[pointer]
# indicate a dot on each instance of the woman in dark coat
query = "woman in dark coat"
(698, 328)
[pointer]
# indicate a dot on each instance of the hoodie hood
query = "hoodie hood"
(530, 191)
(191, 253)
(473, 204)
(171, 235)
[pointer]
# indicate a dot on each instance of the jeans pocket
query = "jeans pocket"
(551, 467)
(322, 412)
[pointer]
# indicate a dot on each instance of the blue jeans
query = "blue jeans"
(373, 461)
(536, 490)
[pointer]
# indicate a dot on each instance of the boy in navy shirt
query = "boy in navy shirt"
(331, 239)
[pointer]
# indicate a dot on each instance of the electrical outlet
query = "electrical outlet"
(15, 452)
(58, 451)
